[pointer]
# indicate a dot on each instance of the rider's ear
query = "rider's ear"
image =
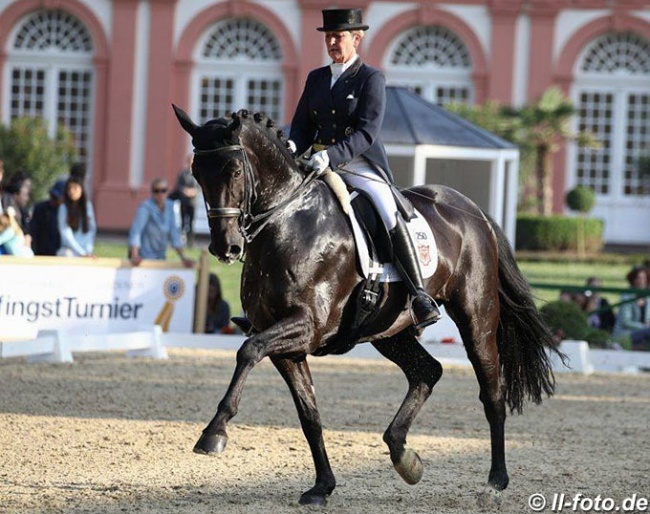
(183, 118)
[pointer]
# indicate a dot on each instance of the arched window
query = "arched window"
(51, 75)
(238, 67)
(613, 93)
(432, 61)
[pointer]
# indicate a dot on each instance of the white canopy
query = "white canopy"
(428, 145)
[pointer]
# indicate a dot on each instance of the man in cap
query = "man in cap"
(43, 226)
(339, 115)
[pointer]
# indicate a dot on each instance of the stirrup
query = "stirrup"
(437, 316)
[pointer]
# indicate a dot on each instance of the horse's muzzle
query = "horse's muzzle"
(227, 254)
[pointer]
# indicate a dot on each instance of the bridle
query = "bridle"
(246, 219)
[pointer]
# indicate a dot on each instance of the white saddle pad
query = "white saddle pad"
(423, 242)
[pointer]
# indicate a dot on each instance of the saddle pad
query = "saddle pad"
(423, 242)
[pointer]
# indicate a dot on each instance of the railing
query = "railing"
(639, 293)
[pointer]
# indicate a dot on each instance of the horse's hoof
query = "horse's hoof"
(489, 498)
(311, 498)
(409, 467)
(211, 443)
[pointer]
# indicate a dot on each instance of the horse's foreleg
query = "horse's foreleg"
(287, 334)
(422, 372)
(298, 377)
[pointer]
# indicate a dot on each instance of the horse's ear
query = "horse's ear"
(234, 129)
(183, 118)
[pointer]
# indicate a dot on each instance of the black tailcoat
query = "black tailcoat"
(346, 118)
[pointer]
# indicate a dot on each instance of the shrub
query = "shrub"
(581, 199)
(557, 233)
(598, 338)
(566, 320)
(25, 144)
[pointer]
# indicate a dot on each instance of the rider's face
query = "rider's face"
(341, 46)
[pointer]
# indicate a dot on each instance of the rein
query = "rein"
(246, 218)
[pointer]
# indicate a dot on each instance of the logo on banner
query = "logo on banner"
(173, 289)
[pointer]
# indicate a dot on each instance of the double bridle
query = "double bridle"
(246, 218)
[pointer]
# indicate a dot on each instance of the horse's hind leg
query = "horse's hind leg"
(422, 372)
(298, 377)
(479, 333)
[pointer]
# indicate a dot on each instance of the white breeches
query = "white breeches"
(367, 180)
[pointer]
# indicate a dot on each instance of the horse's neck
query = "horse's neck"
(276, 183)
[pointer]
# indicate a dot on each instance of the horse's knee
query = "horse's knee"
(250, 353)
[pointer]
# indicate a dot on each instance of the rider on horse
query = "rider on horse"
(339, 115)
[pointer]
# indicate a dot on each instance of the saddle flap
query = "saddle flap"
(421, 237)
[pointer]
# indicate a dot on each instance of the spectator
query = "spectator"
(15, 200)
(44, 225)
(185, 192)
(634, 315)
(76, 221)
(604, 317)
(217, 318)
(154, 227)
(12, 239)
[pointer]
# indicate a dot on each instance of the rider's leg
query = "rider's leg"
(424, 308)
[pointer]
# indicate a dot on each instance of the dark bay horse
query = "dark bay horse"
(298, 282)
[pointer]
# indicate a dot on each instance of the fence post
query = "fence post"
(201, 300)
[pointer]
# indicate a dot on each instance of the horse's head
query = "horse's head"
(220, 167)
(243, 168)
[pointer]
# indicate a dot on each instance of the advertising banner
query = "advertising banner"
(93, 296)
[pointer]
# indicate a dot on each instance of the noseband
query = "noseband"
(246, 219)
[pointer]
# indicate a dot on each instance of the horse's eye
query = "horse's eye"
(237, 173)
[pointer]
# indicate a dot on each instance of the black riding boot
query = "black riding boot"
(424, 310)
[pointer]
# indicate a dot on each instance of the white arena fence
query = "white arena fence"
(162, 294)
(59, 346)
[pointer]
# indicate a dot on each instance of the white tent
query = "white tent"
(428, 145)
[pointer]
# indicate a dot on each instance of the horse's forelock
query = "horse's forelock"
(212, 134)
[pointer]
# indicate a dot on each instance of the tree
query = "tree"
(538, 129)
(25, 144)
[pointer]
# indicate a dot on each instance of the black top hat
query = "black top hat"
(338, 20)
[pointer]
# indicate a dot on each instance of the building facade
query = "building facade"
(110, 69)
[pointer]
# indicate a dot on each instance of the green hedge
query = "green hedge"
(557, 233)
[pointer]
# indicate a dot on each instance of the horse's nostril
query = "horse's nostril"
(235, 250)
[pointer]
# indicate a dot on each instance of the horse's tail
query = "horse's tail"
(523, 338)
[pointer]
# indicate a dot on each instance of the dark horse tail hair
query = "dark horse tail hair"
(524, 340)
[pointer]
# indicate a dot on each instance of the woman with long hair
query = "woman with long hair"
(76, 219)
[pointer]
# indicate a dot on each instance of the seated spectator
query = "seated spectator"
(217, 318)
(599, 312)
(12, 239)
(15, 200)
(76, 221)
(154, 227)
(44, 225)
(634, 314)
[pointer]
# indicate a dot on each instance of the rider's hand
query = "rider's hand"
(291, 146)
(319, 162)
